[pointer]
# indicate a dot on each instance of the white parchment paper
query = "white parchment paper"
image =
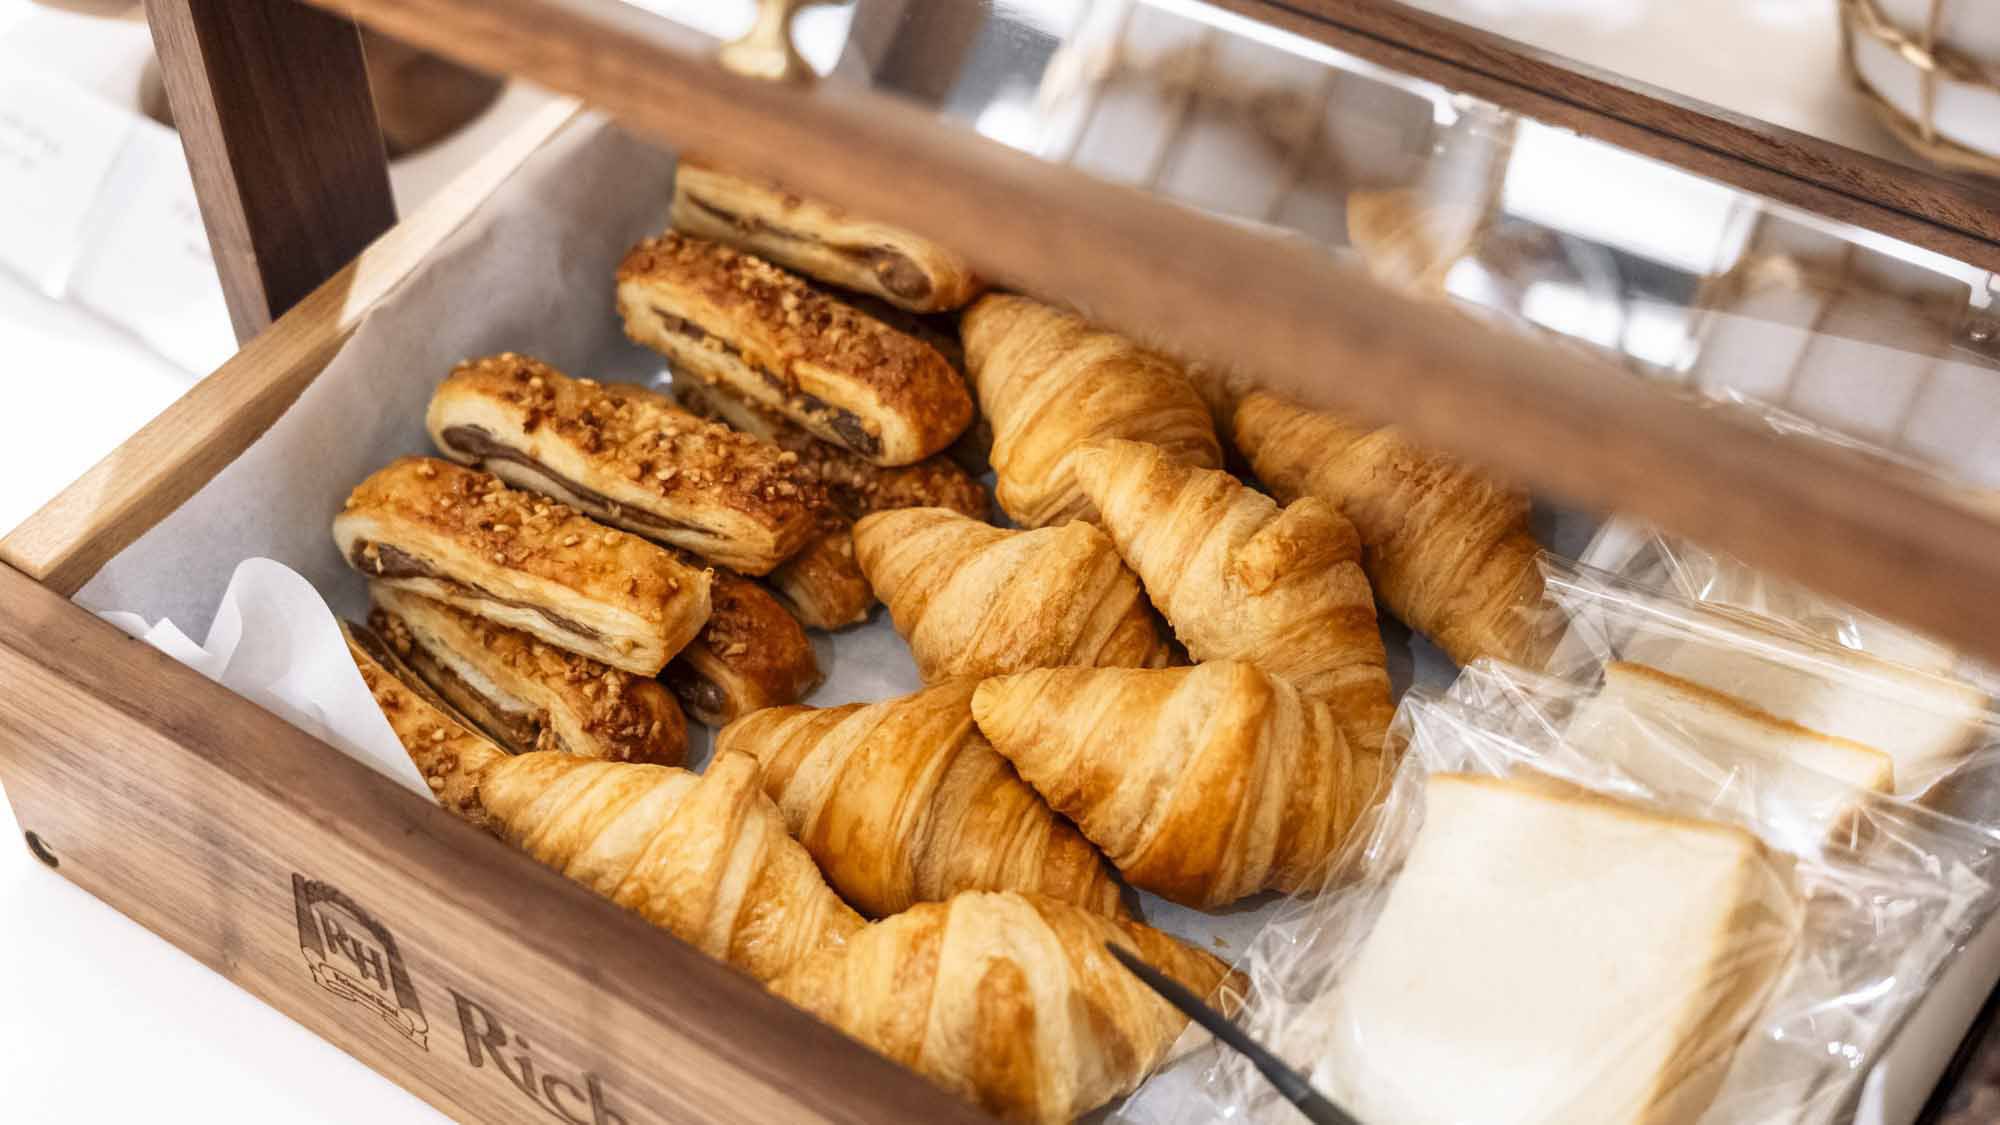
(275, 642)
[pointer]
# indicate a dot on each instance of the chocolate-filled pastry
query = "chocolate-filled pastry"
(820, 240)
(625, 456)
(451, 756)
(823, 585)
(527, 695)
(721, 316)
(854, 486)
(466, 539)
(751, 655)
(973, 451)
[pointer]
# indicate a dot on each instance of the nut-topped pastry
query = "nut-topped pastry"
(724, 316)
(752, 654)
(463, 537)
(853, 485)
(527, 695)
(626, 456)
(820, 240)
(451, 756)
(823, 586)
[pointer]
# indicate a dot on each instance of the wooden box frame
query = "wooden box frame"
(484, 982)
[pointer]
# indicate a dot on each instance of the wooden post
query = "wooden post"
(271, 99)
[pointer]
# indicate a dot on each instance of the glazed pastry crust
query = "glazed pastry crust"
(820, 240)
(752, 654)
(450, 755)
(722, 316)
(823, 585)
(904, 801)
(1240, 579)
(977, 600)
(705, 858)
(1009, 1001)
(527, 695)
(1050, 382)
(625, 456)
(1447, 549)
(853, 485)
(1202, 784)
(462, 537)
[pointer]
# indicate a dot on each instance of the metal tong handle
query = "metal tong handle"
(1288, 1082)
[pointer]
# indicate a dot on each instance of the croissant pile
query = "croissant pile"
(1154, 678)
(905, 801)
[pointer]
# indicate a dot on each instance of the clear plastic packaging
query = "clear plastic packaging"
(1653, 560)
(1670, 564)
(1526, 930)
(1940, 730)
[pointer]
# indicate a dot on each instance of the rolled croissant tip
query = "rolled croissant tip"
(996, 701)
(511, 784)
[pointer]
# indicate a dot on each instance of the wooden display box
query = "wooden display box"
(493, 987)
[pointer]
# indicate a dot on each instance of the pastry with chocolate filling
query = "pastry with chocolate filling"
(820, 240)
(823, 586)
(451, 756)
(722, 316)
(527, 695)
(463, 537)
(625, 456)
(751, 655)
(853, 485)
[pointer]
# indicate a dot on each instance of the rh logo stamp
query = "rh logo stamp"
(354, 957)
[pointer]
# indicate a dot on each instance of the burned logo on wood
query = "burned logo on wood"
(354, 957)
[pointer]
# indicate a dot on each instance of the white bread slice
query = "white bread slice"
(1634, 695)
(1924, 722)
(1552, 955)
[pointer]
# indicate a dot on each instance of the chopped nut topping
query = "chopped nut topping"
(784, 315)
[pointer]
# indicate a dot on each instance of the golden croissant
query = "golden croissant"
(1049, 382)
(1447, 548)
(1202, 784)
(1010, 1001)
(1240, 579)
(703, 857)
(903, 801)
(978, 600)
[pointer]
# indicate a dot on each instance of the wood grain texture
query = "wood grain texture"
(170, 458)
(1294, 318)
(271, 99)
(191, 811)
(1964, 205)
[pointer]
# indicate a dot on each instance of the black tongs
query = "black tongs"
(1289, 1082)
